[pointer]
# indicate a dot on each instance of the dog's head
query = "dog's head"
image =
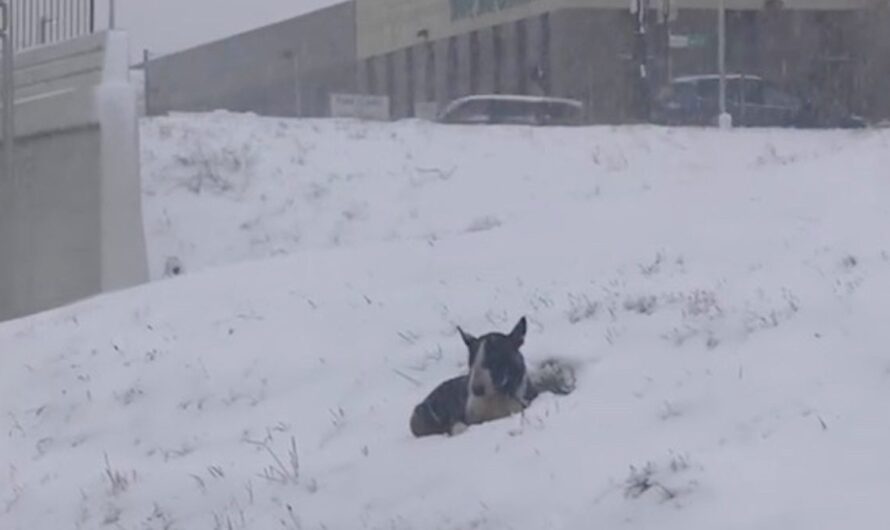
(496, 366)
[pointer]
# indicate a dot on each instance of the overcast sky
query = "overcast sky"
(165, 26)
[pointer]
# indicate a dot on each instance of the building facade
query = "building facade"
(423, 53)
(432, 51)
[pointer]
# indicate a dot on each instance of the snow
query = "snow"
(723, 293)
(160, 27)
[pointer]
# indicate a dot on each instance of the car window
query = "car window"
(472, 111)
(753, 91)
(708, 88)
(684, 91)
(559, 113)
(677, 91)
(512, 112)
(733, 90)
(774, 97)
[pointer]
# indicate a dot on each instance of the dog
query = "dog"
(496, 386)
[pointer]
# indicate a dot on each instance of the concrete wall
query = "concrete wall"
(70, 217)
(286, 69)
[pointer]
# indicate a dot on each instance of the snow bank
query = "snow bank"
(722, 292)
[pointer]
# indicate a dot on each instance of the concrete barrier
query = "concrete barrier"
(71, 217)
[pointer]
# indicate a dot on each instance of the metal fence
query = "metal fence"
(7, 88)
(39, 22)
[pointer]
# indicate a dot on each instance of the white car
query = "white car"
(512, 109)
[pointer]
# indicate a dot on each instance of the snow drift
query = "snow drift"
(722, 293)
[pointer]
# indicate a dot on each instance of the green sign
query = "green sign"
(462, 9)
(698, 40)
(695, 40)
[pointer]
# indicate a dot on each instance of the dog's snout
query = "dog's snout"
(478, 390)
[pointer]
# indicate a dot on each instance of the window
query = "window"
(554, 113)
(390, 78)
(473, 111)
(753, 91)
(774, 97)
(371, 71)
(522, 56)
(498, 49)
(452, 68)
(543, 68)
(514, 112)
(409, 67)
(708, 89)
(474, 62)
(430, 72)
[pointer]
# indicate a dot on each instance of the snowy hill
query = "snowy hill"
(723, 293)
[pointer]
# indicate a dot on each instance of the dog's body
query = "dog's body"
(444, 411)
(496, 386)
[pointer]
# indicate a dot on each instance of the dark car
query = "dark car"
(751, 100)
(512, 109)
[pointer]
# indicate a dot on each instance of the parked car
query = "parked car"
(513, 109)
(751, 100)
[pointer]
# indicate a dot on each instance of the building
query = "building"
(285, 69)
(423, 53)
(435, 50)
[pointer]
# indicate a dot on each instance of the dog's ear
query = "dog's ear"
(518, 333)
(468, 339)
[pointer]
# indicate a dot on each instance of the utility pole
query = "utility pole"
(668, 58)
(725, 119)
(8, 88)
(146, 56)
(641, 52)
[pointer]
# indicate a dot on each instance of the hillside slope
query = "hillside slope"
(722, 294)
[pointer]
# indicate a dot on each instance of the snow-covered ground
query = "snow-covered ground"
(724, 294)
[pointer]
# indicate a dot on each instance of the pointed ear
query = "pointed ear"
(467, 338)
(518, 333)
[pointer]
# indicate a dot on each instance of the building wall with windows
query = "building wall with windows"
(387, 25)
(432, 51)
(425, 53)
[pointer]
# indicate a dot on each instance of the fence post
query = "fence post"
(8, 88)
(146, 102)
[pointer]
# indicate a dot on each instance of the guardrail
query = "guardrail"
(40, 22)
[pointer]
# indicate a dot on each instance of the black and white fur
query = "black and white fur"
(496, 386)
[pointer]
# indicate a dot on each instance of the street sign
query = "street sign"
(360, 106)
(678, 41)
(693, 40)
